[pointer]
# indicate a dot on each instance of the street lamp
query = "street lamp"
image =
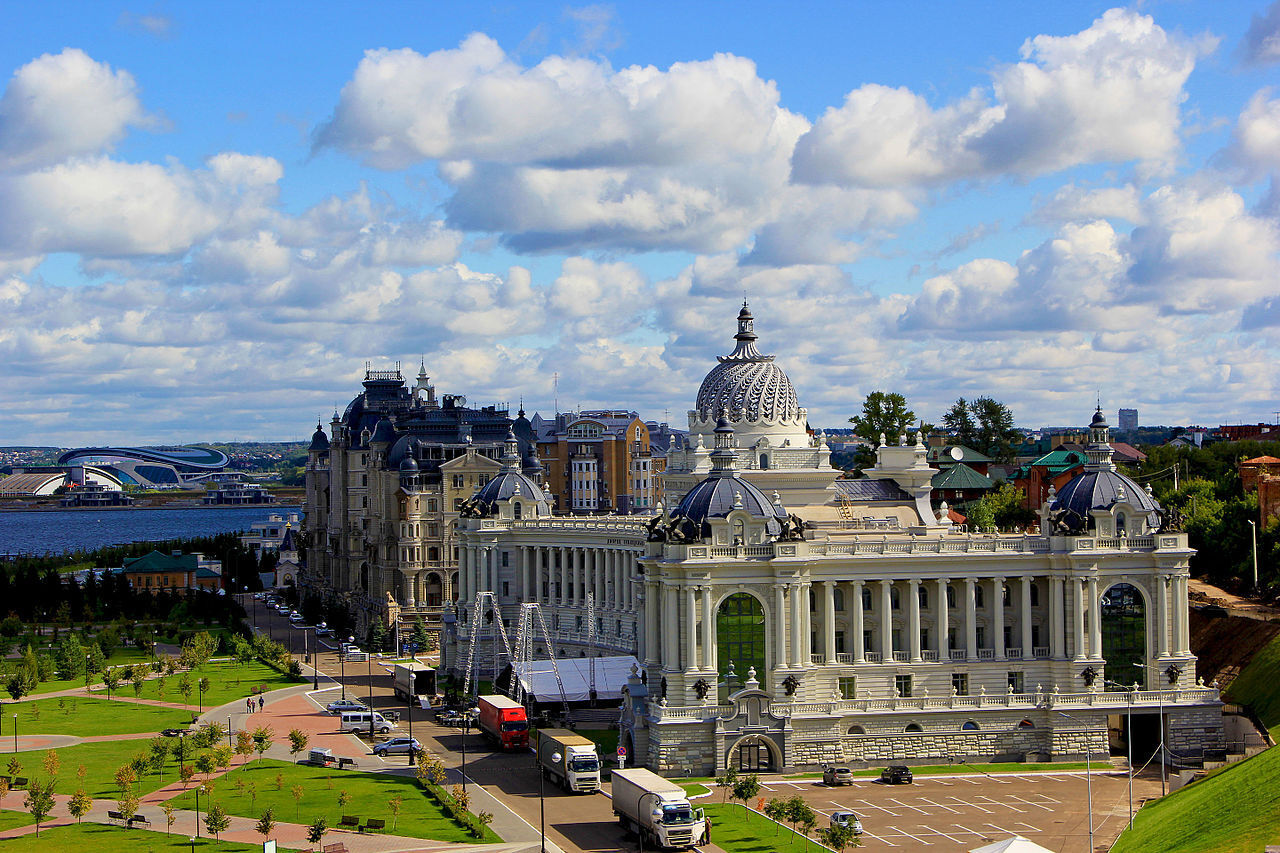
(198, 790)
(1253, 533)
(466, 727)
(368, 659)
(542, 797)
(342, 663)
(1160, 706)
(15, 732)
(1088, 776)
(1128, 701)
(409, 705)
(315, 664)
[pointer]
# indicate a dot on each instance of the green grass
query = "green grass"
(739, 831)
(696, 790)
(74, 715)
(11, 819)
(420, 817)
(100, 760)
(99, 838)
(1258, 685)
(120, 657)
(227, 682)
(1233, 810)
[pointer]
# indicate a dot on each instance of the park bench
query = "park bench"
(335, 848)
(20, 782)
(139, 820)
(343, 762)
(349, 822)
(115, 816)
(373, 824)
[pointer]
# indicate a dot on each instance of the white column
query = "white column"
(780, 625)
(563, 597)
(614, 584)
(1057, 619)
(1182, 642)
(671, 628)
(944, 626)
(463, 568)
(797, 624)
(539, 573)
(886, 621)
(1024, 624)
(997, 605)
(859, 651)
(652, 614)
(913, 592)
(829, 621)
(806, 626)
(691, 624)
(523, 588)
(1162, 615)
(598, 564)
(709, 661)
(971, 618)
(1095, 621)
(1077, 613)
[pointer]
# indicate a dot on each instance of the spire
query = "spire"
(745, 350)
(723, 459)
(1099, 452)
(511, 453)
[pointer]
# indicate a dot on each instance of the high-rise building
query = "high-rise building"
(1128, 420)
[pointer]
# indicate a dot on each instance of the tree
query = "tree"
(799, 811)
(125, 777)
(462, 797)
(205, 764)
(298, 741)
(394, 804)
(837, 837)
(170, 816)
(39, 801)
(316, 831)
(244, 746)
(726, 781)
(959, 420)
(216, 820)
(262, 737)
(377, 635)
(203, 687)
(185, 774)
(482, 820)
(343, 799)
(776, 810)
(52, 763)
(222, 756)
(79, 804)
(14, 767)
(184, 687)
(297, 791)
(128, 804)
(995, 431)
(746, 788)
(421, 637)
(266, 824)
(883, 413)
(20, 684)
(159, 752)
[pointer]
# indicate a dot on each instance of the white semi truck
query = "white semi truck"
(656, 809)
(414, 680)
(569, 760)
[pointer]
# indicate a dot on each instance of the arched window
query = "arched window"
(515, 509)
(977, 595)
(1124, 633)
(951, 597)
(866, 598)
(923, 594)
(1120, 531)
(857, 730)
(894, 600)
(739, 532)
(969, 726)
(1026, 724)
(1035, 595)
(740, 634)
(838, 595)
(913, 728)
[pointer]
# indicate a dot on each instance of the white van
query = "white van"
(358, 721)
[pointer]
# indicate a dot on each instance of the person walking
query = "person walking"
(248, 704)
(262, 703)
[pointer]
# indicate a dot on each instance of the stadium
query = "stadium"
(149, 467)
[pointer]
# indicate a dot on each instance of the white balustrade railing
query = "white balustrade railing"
(959, 654)
(1013, 653)
(930, 655)
(1040, 652)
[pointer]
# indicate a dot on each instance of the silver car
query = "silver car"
(849, 820)
(398, 745)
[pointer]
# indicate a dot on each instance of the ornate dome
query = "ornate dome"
(1100, 485)
(319, 441)
(723, 491)
(747, 385)
(509, 482)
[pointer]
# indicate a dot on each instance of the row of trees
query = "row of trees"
(984, 424)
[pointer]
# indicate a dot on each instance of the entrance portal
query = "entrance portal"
(1124, 634)
(754, 757)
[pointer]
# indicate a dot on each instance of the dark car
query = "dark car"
(896, 774)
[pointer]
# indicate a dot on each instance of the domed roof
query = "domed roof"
(746, 384)
(723, 491)
(319, 441)
(509, 483)
(384, 432)
(408, 466)
(1102, 490)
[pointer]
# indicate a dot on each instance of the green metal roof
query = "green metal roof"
(941, 455)
(158, 562)
(961, 476)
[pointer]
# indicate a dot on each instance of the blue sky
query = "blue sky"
(211, 216)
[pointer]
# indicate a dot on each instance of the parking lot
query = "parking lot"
(968, 810)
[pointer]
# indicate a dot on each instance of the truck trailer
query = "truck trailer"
(569, 760)
(414, 681)
(656, 809)
(503, 721)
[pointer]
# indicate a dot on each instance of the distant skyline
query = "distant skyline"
(213, 215)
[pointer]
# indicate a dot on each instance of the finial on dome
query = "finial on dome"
(920, 440)
(737, 500)
(777, 498)
(883, 443)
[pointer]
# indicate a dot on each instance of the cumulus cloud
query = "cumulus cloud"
(1261, 44)
(1073, 203)
(1111, 93)
(64, 105)
(1255, 143)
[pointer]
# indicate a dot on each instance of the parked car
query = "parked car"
(398, 745)
(896, 774)
(836, 775)
(847, 819)
(450, 718)
(339, 706)
(175, 732)
(323, 632)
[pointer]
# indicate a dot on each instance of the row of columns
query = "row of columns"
(567, 572)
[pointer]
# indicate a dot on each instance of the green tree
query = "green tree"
(421, 637)
(885, 413)
(244, 746)
(298, 792)
(262, 737)
(799, 811)
(297, 741)
(776, 810)
(316, 831)
(838, 837)
(216, 820)
(377, 638)
(170, 816)
(128, 804)
(343, 799)
(1001, 509)
(52, 763)
(395, 804)
(159, 747)
(20, 684)
(39, 801)
(79, 804)
(959, 419)
(202, 686)
(746, 788)
(726, 781)
(184, 687)
(996, 435)
(266, 824)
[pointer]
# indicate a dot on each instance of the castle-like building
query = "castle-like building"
(782, 617)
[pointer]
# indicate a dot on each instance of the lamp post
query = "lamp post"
(15, 732)
(228, 731)
(368, 659)
(342, 663)
(542, 797)
(1160, 706)
(1128, 702)
(199, 788)
(1088, 777)
(409, 710)
(1253, 534)
(466, 727)
(315, 664)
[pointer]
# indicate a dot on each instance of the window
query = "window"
(840, 642)
(960, 683)
(924, 638)
(1035, 595)
(578, 624)
(506, 588)
(740, 632)
(364, 479)
(1026, 724)
(457, 481)
(1016, 683)
(980, 634)
(857, 730)
(969, 726)
(924, 596)
(838, 595)
(977, 597)
(848, 687)
(1006, 595)
(431, 507)
(894, 600)
(1008, 636)
(866, 598)
(902, 683)
(506, 559)
(515, 509)
(866, 640)
(951, 597)
(913, 728)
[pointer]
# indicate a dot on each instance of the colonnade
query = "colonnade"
(559, 575)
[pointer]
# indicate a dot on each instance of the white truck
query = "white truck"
(656, 809)
(569, 760)
(414, 680)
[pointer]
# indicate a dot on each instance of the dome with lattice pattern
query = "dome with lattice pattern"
(746, 385)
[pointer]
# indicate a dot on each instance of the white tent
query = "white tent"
(1016, 844)
(611, 676)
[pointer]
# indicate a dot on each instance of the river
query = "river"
(56, 531)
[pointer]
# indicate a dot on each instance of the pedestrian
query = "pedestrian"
(248, 704)
(262, 703)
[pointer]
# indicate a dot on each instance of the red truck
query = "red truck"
(504, 722)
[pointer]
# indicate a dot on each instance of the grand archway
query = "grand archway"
(740, 635)
(1124, 634)
(754, 754)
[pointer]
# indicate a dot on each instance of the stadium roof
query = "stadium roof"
(182, 458)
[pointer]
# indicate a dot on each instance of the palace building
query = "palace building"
(783, 618)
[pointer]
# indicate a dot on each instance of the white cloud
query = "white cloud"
(1255, 144)
(64, 105)
(1111, 93)
(1261, 44)
(1073, 203)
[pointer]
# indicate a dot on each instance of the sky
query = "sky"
(213, 216)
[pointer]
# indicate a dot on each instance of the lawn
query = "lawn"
(120, 657)
(10, 819)
(1234, 810)
(739, 831)
(228, 681)
(74, 715)
(100, 760)
(420, 817)
(99, 838)
(1256, 686)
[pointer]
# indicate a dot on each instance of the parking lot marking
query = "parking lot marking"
(909, 835)
(972, 805)
(939, 805)
(1006, 805)
(868, 805)
(1029, 803)
(966, 829)
(909, 806)
(1000, 829)
(939, 832)
(1028, 828)
(878, 838)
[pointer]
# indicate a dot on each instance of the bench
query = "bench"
(115, 816)
(349, 822)
(335, 848)
(139, 820)
(373, 824)
(343, 762)
(20, 782)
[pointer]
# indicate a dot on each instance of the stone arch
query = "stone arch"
(734, 755)
(856, 730)
(969, 726)
(913, 729)
(730, 637)
(1126, 631)
(453, 587)
(433, 589)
